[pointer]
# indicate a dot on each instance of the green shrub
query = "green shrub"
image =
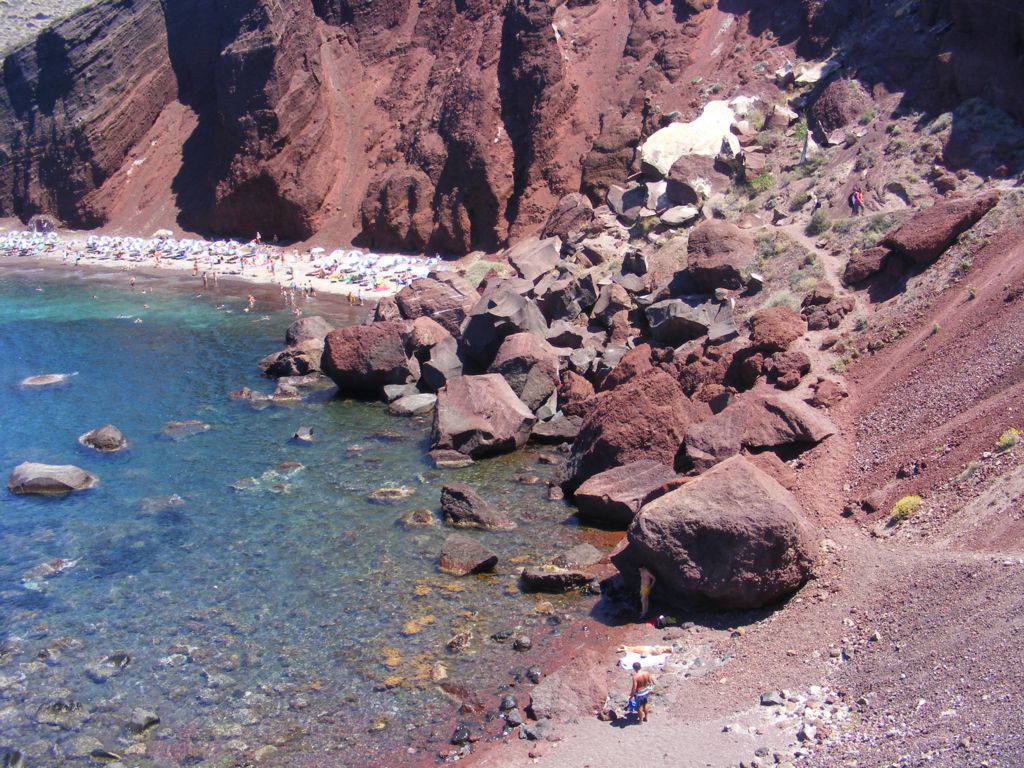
(762, 182)
(904, 509)
(800, 130)
(819, 223)
(799, 200)
(1007, 440)
(782, 299)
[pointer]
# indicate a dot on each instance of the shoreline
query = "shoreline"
(290, 270)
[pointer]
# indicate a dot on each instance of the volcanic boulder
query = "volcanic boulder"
(533, 258)
(446, 302)
(675, 321)
(480, 416)
(30, 478)
(863, 264)
(692, 179)
(928, 233)
(615, 496)
(461, 556)
(840, 103)
(757, 422)
(442, 365)
(530, 366)
(463, 507)
(718, 254)
(573, 393)
(572, 214)
(733, 538)
(313, 328)
(645, 418)
(361, 359)
(495, 317)
(775, 328)
(553, 579)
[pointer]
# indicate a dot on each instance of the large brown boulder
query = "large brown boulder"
(442, 365)
(775, 328)
(928, 233)
(863, 264)
(840, 103)
(362, 359)
(574, 392)
(480, 416)
(613, 497)
(718, 253)
(694, 178)
(572, 214)
(645, 418)
(313, 328)
(756, 422)
(530, 366)
(732, 538)
(447, 302)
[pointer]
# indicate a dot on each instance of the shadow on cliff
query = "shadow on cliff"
(937, 55)
(193, 45)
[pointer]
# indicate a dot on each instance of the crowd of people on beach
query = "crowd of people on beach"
(355, 272)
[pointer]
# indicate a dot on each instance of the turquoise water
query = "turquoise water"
(272, 618)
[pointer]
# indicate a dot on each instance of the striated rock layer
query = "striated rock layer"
(448, 125)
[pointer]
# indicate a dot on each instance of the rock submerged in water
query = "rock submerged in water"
(463, 507)
(46, 380)
(179, 430)
(461, 556)
(106, 439)
(109, 666)
(30, 478)
(554, 579)
(303, 435)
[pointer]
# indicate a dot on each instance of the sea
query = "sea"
(244, 590)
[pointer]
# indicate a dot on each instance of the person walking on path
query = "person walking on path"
(857, 201)
(640, 692)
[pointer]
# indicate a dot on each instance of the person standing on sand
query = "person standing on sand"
(646, 585)
(640, 692)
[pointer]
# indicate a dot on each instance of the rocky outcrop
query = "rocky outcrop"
(362, 359)
(840, 103)
(409, 126)
(732, 538)
(613, 497)
(480, 416)
(30, 478)
(644, 419)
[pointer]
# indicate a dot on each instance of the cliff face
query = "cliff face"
(440, 124)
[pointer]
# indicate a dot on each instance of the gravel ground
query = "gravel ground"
(21, 20)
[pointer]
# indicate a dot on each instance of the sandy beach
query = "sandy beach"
(360, 276)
